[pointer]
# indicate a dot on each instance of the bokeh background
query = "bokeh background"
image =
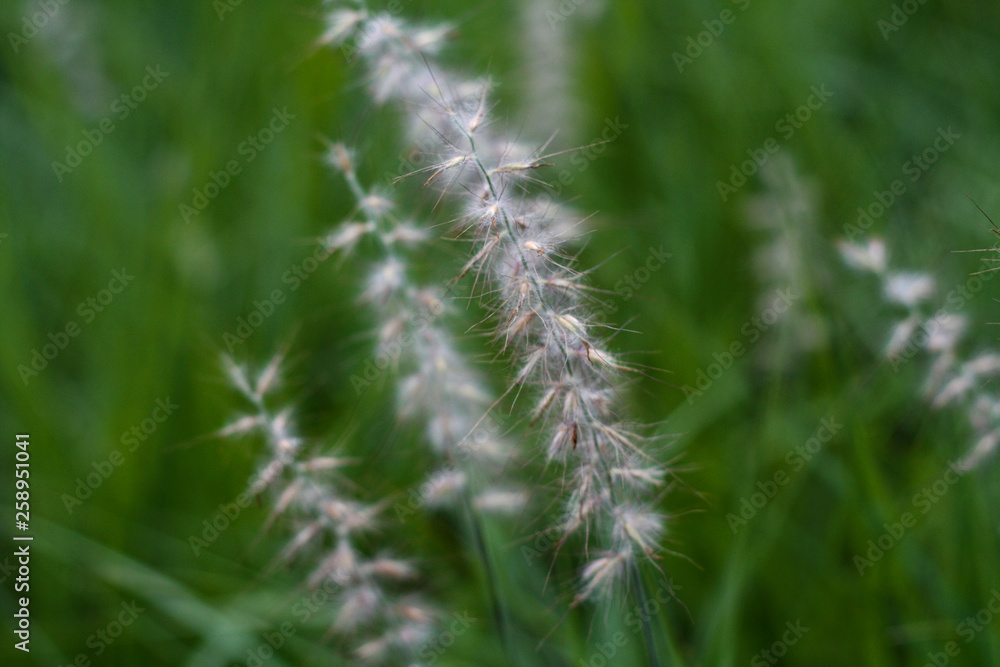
(656, 185)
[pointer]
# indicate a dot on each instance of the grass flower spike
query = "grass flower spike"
(950, 380)
(539, 300)
(375, 624)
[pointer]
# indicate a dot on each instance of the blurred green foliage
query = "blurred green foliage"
(656, 185)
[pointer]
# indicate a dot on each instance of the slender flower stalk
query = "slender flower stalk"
(950, 380)
(785, 217)
(376, 626)
(440, 390)
(540, 302)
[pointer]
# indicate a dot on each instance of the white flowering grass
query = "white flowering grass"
(521, 267)
(374, 618)
(565, 382)
(951, 379)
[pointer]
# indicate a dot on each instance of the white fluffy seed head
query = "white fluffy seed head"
(540, 305)
(340, 23)
(384, 282)
(347, 236)
(639, 475)
(405, 234)
(901, 335)
(444, 488)
(604, 575)
(358, 607)
(501, 501)
(870, 256)
(638, 528)
(341, 158)
(945, 336)
(909, 289)
(390, 568)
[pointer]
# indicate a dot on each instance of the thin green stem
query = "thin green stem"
(639, 591)
(499, 614)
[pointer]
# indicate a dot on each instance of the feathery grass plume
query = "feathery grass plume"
(950, 380)
(439, 389)
(375, 623)
(550, 49)
(539, 301)
(786, 214)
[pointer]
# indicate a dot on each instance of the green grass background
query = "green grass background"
(655, 185)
